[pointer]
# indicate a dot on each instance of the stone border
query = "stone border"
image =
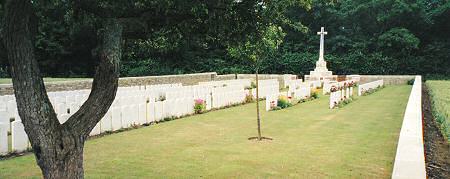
(410, 157)
(185, 79)
(388, 79)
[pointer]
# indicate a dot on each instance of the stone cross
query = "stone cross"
(321, 33)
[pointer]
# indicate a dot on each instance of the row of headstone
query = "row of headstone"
(294, 84)
(132, 106)
(223, 99)
(372, 85)
(267, 87)
(315, 84)
(327, 85)
(243, 83)
(340, 95)
(288, 78)
(302, 92)
(19, 139)
(187, 92)
(135, 114)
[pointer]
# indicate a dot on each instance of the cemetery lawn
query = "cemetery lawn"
(8, 80)
(310, 140)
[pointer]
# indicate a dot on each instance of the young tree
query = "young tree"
(265, 38)
(256, 52)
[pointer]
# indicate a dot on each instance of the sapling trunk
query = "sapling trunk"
(258, 117)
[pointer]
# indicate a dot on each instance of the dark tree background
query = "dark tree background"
(364, 37)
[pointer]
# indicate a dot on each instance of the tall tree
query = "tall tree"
(58, 147)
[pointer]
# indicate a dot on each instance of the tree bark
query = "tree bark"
(58, 148)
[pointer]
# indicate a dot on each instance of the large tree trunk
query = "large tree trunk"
(58, 148)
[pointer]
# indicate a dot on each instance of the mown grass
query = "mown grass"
(310, 141)
(440, 97)
(8, 80)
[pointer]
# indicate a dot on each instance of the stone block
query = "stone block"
(142, 113)
(4, 138)
(116, 118)
(106, 122)
(19, 137)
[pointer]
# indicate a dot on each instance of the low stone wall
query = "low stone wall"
(225, 77)
(185, 79)
(7, 89)
(192, 79)
(388, 79)
(410, 156)
(279, 77)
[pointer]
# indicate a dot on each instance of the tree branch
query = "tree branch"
(105, 83)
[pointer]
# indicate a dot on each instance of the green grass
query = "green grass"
(8, 80)
(310, 141)
(440, 96)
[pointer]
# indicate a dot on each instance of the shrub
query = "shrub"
(249, 98)
(410, 82)
(315, 95)
(199, 106)
(283, 102)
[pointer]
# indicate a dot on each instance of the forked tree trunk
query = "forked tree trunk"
(58, 148)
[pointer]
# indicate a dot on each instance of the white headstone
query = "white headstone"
(116, 118)
(142, 113)
(19, 137)
(134, 115)
(151, 111)
(4, 118)
(158, 110)
(4, 138)
(125, 113)
(106, 122)
(96, 130)
(63, 118)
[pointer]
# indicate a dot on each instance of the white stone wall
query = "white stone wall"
(410, 156)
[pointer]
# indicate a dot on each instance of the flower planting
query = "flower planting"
(199, 106)
(283, 102)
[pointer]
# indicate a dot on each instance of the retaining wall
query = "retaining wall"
(388, 79)
(410, 157)
(279, 77)
(185, 79)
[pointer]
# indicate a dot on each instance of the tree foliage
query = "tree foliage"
(404, 37)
